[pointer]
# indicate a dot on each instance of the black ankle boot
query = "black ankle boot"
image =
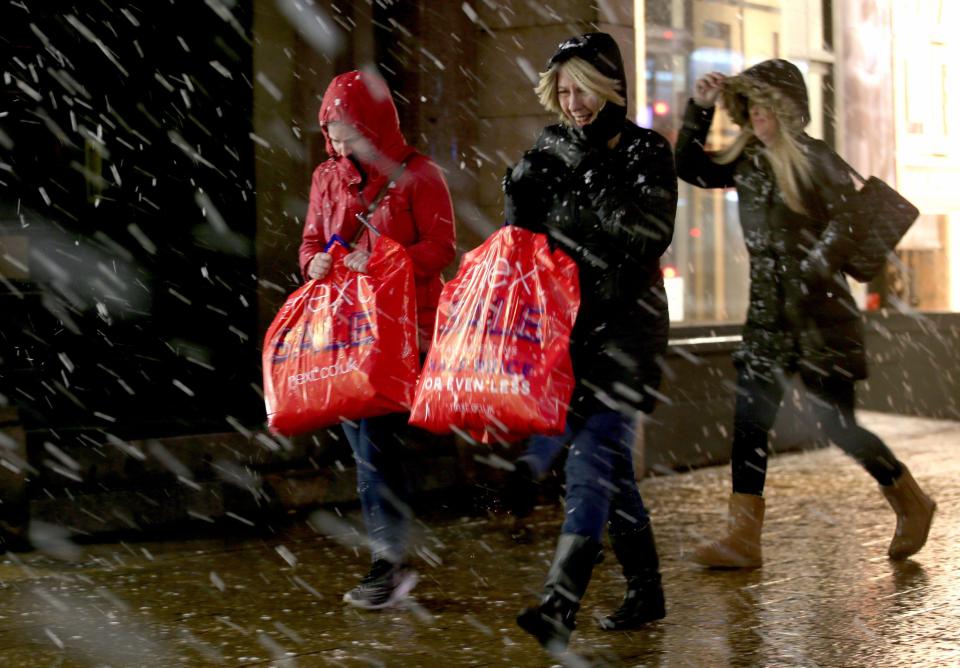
(644, 602)
(552, 622)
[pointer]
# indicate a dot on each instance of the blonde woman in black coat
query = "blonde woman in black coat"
(802, 318)
(604, 191)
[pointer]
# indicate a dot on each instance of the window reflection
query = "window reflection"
(706, 268)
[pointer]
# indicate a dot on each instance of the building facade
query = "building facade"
(155, 163)
(879, 95)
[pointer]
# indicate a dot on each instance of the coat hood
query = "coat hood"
(777, 84)
(363, 100)
(601, 51)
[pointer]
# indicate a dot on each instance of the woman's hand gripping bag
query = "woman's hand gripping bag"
(499, 365)
(345, 346)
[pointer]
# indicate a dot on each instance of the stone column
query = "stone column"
(446, 106)
(865, 81)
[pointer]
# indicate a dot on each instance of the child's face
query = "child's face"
(346, 141)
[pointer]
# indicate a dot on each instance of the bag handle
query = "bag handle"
(334, 240)
(846, 164)
(364, 217)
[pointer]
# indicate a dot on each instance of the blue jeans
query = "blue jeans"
(381, 485)
(543, 450)
(600, 481)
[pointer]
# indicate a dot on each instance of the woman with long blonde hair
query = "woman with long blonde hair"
(802, 318)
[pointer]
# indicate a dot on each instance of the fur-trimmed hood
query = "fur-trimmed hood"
(777, 84)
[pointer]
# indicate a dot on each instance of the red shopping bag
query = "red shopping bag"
(499, 366)
(345, 346)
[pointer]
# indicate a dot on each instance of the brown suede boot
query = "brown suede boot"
(740, 548)
(914, 511)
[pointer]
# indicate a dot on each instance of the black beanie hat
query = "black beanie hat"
(600, 50)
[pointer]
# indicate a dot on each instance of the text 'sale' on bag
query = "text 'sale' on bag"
(499, 365)
(345, 346)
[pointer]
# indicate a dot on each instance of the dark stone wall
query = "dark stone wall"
(914, 364)
(913, 361)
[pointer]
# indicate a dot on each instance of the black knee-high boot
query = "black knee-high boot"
(552, 622)
(643, 603)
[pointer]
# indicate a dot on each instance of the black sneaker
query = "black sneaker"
(385, 586)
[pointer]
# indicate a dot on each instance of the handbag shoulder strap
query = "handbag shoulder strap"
(364, 217)
(851, 169)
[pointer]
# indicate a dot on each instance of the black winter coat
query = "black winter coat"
(612, 211)
(802, 316)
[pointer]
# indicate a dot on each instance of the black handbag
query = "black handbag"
(881, 216)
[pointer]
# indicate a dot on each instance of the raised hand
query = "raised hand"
(708, 89)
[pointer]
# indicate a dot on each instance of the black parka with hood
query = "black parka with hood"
(802, 317)
(612, 211)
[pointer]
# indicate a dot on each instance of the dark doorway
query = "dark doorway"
(127, 216)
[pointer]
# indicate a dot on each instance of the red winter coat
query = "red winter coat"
(416, 212)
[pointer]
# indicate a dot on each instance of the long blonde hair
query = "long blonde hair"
(791, 166)
(587, 77)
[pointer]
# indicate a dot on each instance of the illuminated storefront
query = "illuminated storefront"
(878, 74)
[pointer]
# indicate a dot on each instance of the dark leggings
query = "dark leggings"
(832, 400)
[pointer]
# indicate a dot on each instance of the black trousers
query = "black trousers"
(832, 399)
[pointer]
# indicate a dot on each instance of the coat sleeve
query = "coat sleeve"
(841, 235)
(637, 200)
(531, 190)
(693, 163)
(432, 211)
(314, 240)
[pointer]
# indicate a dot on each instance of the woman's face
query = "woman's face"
(578, 105)
(347, 141)
(764, 123)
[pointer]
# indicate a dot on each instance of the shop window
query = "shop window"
(707, 267)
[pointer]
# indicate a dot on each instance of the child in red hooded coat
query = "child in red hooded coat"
(362, 130)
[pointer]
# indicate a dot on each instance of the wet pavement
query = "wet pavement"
(826, 595)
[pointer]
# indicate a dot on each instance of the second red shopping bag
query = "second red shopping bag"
(499, 365)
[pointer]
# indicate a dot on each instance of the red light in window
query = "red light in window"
(695, 232)
(669, 272)
(668, 34)
(661, 108)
